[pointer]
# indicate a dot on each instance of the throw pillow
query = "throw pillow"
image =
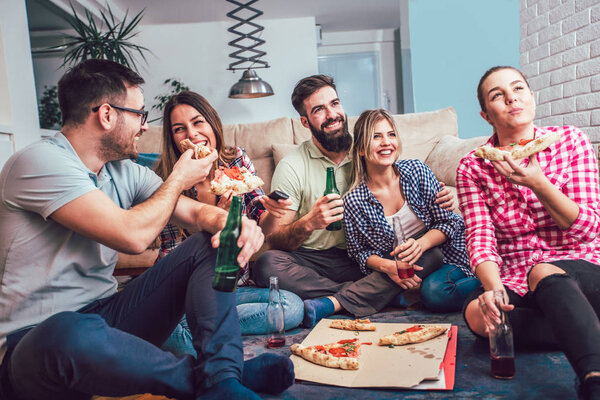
(446, 155)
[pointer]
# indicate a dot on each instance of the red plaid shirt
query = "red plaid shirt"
(507, 224)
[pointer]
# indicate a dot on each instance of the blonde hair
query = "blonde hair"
(363, 140)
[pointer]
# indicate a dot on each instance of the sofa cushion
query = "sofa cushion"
(258, 137)
(446, 155)
(281, 149)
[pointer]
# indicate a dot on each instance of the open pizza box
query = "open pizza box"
(423, 366)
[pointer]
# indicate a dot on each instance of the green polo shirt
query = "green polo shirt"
(302, 175)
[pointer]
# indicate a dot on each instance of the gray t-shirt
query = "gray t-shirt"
(303, 175)
(46, 268)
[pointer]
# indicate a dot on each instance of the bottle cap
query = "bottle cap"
(273, 280)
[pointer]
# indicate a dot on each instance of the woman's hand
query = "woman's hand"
(409, 251)
(276, 208)
(529, 176)
(489, 311)
(390, 269)
(225, 200)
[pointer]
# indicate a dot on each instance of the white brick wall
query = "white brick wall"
(560, 56)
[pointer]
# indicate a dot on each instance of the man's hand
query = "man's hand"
(326, 210)
(191, 171)
(251, 240)
(276, 208)
(445, 198)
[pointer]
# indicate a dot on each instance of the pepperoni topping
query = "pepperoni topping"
(523, 142)
(233, 173)
(338, 352)
(415, 328)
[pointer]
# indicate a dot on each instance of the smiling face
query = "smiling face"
(509, 102)
(188, 123)
(384, 146)
(120, 143)
(326, 119)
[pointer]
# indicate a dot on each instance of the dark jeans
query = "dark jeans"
(318, 273)
(562, 313)
(110, 347)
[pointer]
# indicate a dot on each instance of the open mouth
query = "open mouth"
(201, 142)
(335, 124)
(386, 152)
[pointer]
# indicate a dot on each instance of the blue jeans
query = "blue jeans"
(251, 308)
(110, 347)
(446, 289)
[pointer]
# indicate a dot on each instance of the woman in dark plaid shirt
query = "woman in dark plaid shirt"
(383, 190)
(188, 115)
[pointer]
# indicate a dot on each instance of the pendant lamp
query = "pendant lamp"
(247, 56)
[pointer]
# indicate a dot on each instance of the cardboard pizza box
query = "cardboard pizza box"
(426, 365)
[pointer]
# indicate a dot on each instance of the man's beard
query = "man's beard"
(117, 146)
(334, 142)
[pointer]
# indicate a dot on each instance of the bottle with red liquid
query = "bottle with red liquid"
(275, 318)
(502, 354)
(404, 270)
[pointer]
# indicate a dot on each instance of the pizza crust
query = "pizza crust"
(427, 332)
(518, 151)
(326, 360)
(200, 151)
(352, 324)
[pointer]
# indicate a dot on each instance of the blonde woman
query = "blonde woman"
(386, 193)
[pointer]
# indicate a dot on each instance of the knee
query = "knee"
(474, 319)
(437, 293)
(265, 266)
(539, 272)
(67, 335)
(200, 244)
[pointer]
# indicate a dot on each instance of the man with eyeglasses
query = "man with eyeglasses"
(67, 205)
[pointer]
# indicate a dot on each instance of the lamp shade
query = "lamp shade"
(250, 86)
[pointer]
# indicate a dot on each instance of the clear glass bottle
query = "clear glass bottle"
(331, 187)
(502, 353)
(275, 317)
(227, 270)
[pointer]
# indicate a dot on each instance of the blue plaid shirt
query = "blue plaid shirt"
(368, 232)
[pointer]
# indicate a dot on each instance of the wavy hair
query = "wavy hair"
(363, 143)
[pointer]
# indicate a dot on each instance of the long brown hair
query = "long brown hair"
(363, 140)
(170, 152)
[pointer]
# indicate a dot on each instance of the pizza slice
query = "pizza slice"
(522, 149)
(200, 150)
(353, 324)
(414, 334)
(238, 179)
(343, 354)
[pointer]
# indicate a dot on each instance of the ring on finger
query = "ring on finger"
(510, 175)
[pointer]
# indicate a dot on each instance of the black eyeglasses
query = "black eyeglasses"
(143, 113)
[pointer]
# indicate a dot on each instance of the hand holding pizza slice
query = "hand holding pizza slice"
(200, 150)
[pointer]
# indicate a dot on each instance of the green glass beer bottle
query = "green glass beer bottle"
(330, 187)
(227, 269)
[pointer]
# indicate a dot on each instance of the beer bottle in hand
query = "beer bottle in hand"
(227, 269)
(330, 187)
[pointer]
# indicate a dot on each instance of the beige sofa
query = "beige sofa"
(431, 137)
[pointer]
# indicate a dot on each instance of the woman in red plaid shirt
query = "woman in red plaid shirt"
(532, 230)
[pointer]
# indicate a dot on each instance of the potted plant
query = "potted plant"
(111, 40)
(49, 111)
